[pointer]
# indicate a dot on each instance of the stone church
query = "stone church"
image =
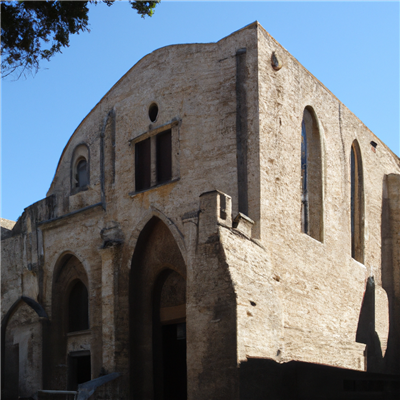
(219, 226)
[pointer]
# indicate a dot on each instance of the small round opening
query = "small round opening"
(153, 112)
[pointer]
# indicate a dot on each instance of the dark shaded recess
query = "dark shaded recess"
(153, 112)
(163, 152)
(4, 322)
(136, 317)
(304, 190)
(169, 351)
(10, 374)
(174, 362)
(142, 165)
(81, 174)
(79, 369)
(68, 272)
(78, 308)
(241, 130)
(357, 203)
(366, 329)
(262, 379)
(388, 231)
(155, 247)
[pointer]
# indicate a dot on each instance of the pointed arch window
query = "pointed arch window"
(311, 176)
(357, 203)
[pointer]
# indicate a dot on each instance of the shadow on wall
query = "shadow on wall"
(266, 379)
(366, 329)
(376, 361)
(389, 231)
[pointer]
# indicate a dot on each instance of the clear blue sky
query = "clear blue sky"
(351, 47)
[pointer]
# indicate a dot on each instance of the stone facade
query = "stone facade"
(179, 220)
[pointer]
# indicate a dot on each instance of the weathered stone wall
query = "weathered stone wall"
(256, 286)
(321, 286)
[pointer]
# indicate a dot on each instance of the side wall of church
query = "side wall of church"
(321, 285)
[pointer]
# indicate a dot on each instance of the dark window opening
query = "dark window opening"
(142, 165)
(304, 194)
(357, 204)
(311, 176)
(79, 369)
(78, 308)
(164, 161)
(153, 112)
(81, 174)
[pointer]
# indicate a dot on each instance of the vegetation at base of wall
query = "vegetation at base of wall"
(32, 31)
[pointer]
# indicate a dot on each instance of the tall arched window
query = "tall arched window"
(357, 203)
(81, 174)
(78, 308)
(311, 176)
(80, 168)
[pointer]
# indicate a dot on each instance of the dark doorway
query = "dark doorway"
(169, 337)
(157, 297)
(11, 372)
(174, 361)
(79, 369)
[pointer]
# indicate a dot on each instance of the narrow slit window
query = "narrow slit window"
(311, 176)
(163, 154)
(143, 165)
(304, 194)
(81, 174)
(78, 308)
(357, 204)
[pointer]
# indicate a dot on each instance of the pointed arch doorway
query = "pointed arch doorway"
(157, 316)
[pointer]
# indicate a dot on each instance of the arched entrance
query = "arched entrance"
(157, 316)
(21, 334)
(169, 336)
(68, 352)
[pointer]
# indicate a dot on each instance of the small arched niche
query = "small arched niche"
(356, 203)
(311, 176)
(80, 171)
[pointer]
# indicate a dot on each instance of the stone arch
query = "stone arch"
(311, 175)
(67, 272)
(36, 307)
(156, 257)
(80, 153)
(147, 216)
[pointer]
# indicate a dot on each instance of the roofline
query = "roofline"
(255, 23)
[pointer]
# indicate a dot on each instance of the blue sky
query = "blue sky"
(351, 47)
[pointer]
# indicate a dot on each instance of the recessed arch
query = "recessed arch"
(156, 257)
(148, 215)
(311, 176)
(35, 306)
(80, 168)
(69, 272)
(356, 203)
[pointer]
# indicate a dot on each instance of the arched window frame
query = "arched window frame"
(80, 153)
(311, 179)
(357, 205)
